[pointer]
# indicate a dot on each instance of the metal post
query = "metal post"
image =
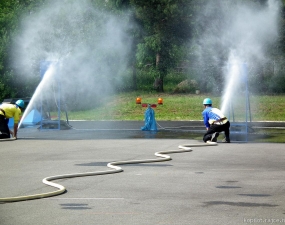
(43, 69)
(59, 111)
(246, 99)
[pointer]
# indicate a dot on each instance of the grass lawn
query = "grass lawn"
(179, 107)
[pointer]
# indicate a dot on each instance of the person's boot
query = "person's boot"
(226, 140)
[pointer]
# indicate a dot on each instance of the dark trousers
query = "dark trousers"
(218, 128)
(4, 129)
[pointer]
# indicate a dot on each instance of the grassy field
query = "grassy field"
(180, 107)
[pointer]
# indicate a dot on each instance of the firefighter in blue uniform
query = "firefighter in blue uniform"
(215, 122)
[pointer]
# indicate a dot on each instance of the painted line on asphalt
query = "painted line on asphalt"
(83, 199)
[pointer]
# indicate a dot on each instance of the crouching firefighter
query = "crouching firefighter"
(215, 122)
(8, 111)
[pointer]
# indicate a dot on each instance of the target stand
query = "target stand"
(50, 103)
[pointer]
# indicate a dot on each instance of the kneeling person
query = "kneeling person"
(8, 111)
(215, 122)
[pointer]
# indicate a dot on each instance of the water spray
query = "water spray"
(48, 71)
(46, 77)
(45, 66)
(236, 104)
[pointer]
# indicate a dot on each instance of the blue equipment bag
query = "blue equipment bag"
(150, 123)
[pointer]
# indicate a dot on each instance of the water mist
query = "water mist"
(40, 90)
(91, 45)
(234, 34)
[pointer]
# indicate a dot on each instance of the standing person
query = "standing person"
(215, 122)
(10, 111)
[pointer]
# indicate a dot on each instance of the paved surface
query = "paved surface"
(82, 130)
(237, 183)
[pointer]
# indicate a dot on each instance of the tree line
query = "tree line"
(166, 37)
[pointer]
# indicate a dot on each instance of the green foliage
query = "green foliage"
(176, 107)
(8, 24)
(161, 35)
(164, 26)
(6, 91)
(11, 12)
(146, 77)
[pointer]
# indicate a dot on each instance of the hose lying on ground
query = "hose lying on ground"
(113, 165)
(8, 139)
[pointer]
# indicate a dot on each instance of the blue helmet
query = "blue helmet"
(20, 103)
(207, 101)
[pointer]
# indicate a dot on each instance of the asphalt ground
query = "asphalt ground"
(236, 183)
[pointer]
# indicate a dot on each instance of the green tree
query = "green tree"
(8, 23)
(166, 25)
(11, 12)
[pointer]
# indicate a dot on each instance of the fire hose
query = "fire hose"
(113, 165)
(8, 139)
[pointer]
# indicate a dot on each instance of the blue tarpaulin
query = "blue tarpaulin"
(150, 123)
(31, 119)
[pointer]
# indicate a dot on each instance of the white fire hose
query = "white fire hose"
(113, 165)
(8, 139)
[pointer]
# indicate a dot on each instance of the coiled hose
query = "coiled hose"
(113, 165)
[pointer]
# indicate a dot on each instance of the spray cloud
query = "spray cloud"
(89, 45)
(233, 33)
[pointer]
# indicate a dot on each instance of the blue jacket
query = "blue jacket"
(210, 115)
